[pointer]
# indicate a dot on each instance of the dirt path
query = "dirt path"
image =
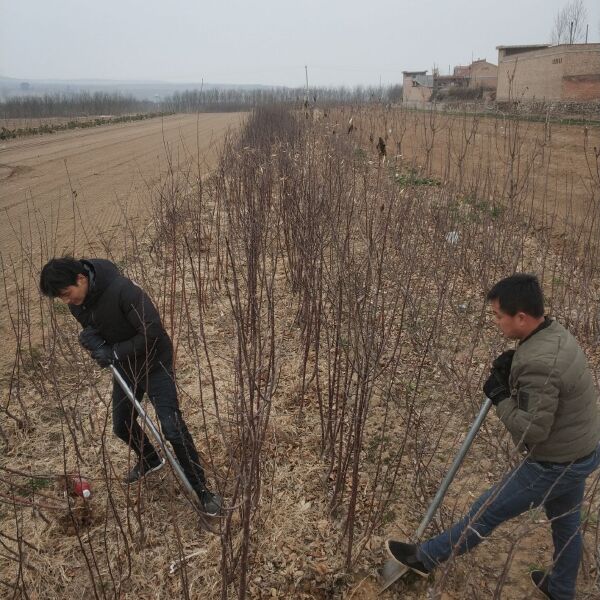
(57, 190)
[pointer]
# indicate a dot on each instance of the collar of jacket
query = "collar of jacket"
(91, 275)
(546, 323)
(101, 273)
(93, 288)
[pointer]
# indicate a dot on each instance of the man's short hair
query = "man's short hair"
(519, 293)
(58, 274)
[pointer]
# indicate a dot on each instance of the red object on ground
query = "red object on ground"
(81, 487)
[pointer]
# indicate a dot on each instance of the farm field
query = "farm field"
(82, 189)
(553, 167)
(108, 168)
(326, 303)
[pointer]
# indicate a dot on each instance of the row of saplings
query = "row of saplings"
(542, 389)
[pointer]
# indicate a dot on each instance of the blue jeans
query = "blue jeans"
(558, 488)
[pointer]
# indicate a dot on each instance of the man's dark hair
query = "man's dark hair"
(58, 274)
(519, 293)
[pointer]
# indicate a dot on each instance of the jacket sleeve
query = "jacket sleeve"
(144, 318)
(529, 412)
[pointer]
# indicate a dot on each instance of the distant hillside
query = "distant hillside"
(141, 90)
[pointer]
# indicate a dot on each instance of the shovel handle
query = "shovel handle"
(439, 496)
(393, 570)
(147, 421)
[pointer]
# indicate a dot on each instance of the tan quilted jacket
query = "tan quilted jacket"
(553, 408)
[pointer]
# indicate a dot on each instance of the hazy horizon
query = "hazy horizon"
(267, 43)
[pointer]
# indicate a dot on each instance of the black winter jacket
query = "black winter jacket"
(125, 317)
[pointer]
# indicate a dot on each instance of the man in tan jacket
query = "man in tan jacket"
(545, 395)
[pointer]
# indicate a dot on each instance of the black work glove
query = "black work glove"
(502, 364)
(104, 355)
(496, 387)
(91, 339)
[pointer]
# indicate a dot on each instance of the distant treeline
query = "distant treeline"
(220, 100)
(73, 105)
(85, 104)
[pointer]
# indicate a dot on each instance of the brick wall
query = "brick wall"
(555, 73)
(582, 87)
(483, 74)
(581, 80)
(416, 94)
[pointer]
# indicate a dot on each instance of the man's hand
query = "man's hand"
(502, 364)
(103, 355)
(100, 351)
(496, 387)
(91, 339)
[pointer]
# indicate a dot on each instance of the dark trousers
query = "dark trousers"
(159, 384)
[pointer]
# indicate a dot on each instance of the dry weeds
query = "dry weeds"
(331, 339)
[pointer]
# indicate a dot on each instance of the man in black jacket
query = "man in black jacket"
(122, 327)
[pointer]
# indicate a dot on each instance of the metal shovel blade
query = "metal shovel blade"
(390, 573)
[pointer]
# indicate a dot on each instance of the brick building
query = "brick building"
(479, 74)
(483, 74)
(567, 72)
(418, 87)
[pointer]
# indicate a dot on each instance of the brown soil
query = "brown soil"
(556, 168)
(103, 167)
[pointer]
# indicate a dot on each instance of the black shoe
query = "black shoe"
(540, 580)
(143, 468)
(406, 554)
(210, 503)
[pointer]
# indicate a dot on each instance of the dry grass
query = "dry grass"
(331, 340)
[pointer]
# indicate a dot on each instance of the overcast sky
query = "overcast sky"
(343, 42)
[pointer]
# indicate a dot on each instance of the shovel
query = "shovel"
(155, 433)
(392, 570)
